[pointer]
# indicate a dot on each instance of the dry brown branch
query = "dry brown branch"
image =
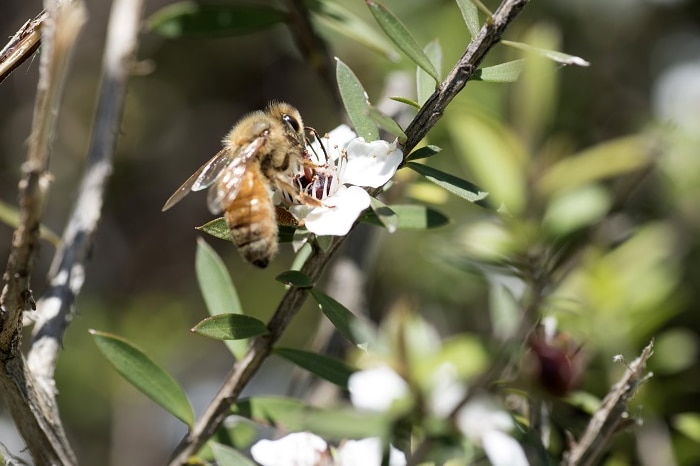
(22, 45)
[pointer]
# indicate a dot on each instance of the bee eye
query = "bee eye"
(291, 121)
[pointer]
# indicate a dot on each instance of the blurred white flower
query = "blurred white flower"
(376, 389)
(676, 96)
(297, 449)
(366, 452)
(343, 164)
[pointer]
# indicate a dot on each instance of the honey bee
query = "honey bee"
(258, 152)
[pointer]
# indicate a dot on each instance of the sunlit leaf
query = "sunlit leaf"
(332, 15)
(217, 228)
(559, 57)
(356, 102)
(423, 153)
(330, 369)
(402, 37)
(688, 424)
(576, 209)
(227, 456)
(9, 215)
(144, 374)
(341, 318)
(387, 123)
(426, 84)
(188, 18)
(295, 278)
(507, 72)
(411, 217)
(230, 327)
(451, 183)
(406, 101)
(470, 14)
(386, 216)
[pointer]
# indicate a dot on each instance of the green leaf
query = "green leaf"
(387, 123)
(451, 183)
(284, 413)
(411, 217)
(688, 424)
(576, 209)
(507, 72)
(423, 153)
(406, 101)
(295, 278)
(356, 102)
(386, 216)
(426, 84)
(144, 374)
(401, 37)
(558, 57)
(341, 318)
(471, 16)
(230, 327)
(227, 456)
(9, 215)
(188, 18)
(333, 16)
(217, 289)
(217, 228)
(330, 369)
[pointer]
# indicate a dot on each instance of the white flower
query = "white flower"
(297, 449)
(367, 452)
(376, 389)
(341, 159)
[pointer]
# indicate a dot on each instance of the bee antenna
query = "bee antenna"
(320, 142)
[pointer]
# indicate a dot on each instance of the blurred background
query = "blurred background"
(645, 69)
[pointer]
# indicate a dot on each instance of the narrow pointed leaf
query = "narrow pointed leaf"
(333, 16)
(451, 183)
(406, 101)
(423, 153)
(330, 369)
(230, 327)
(227, 456)
(559, 57)
(341, 318)
(295, 278)
(144, 374)
(386, 216)
(188, 18)
(217, 289)
(217, 228)
(411, 217)
(426, 84)
(387, 123)
(470, 13)
(504, 73)
(401, 36)
(281, 412)
(356, 102)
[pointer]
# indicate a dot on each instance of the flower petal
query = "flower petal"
(376, 389)
(503, 450)
(481, 415)
(297, 449)
(371, 164)
(338, 213)
(333, 142)
(367, 452)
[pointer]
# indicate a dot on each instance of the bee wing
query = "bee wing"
(225, 192)
(202, 178)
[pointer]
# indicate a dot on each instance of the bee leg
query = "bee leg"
(298, 197)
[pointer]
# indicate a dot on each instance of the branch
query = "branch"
(22, 45)
(611, 416)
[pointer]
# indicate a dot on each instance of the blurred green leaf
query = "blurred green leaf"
(426, 84)
(9, 215)
(423, 153)
(217, 228)
(387, 123)
(144, 374)
(406, 101)
(401, 36)
(356, 102)
(386, 216)
(284, 413)
(341, 318)
(688, 424)
(494, 155)
(183, 19)
(330, 369)
(332, 15)
(605, 160)
(576, 209)
(471, 16)
(230, 327)
(507, 72)
(295, 278)
(217, 289)
(411, 217)
(227, 456)
(558, 57)
(504, 311)
(451, 183)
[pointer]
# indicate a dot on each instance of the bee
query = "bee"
(258, 153)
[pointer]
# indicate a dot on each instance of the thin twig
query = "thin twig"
(22, 45)
(611, 415)
(32, 410)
